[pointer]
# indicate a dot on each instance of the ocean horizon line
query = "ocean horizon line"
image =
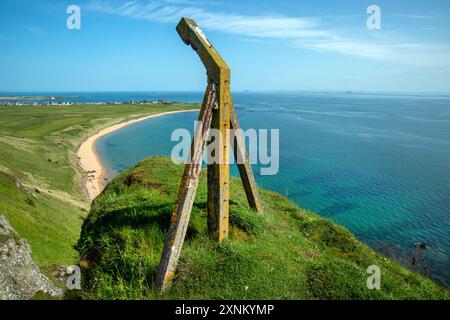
(262, 92)
(356, 92)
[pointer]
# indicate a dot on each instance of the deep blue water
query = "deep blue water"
(377, 164)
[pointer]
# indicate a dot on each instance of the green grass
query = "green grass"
(39, 184)
(286, 253)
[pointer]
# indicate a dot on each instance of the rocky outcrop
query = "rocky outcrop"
(20, 277)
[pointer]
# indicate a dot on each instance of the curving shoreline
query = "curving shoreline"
(89, 161)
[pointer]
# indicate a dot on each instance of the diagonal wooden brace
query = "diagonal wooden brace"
(245, 168)
(186, 195)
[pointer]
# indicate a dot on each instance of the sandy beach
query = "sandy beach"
(93, 171)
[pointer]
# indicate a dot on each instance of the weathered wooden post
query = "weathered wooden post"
(217, 112)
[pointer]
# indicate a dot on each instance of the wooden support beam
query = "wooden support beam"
(219, 173)
(186, 195)
(216, 67)
(245, 168)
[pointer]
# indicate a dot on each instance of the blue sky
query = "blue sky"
(269, 45)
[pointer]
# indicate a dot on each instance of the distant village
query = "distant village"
(56, 101)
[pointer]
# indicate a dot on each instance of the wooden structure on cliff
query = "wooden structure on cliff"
(217, 112)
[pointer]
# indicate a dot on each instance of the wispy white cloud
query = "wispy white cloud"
(196, 2)
(35, 30)
(254, 26)
(305, 32)
(414, 16)
(412, 54)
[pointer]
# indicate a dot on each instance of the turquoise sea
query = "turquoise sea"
(379, 164)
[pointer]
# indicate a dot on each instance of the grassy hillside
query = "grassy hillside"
(286, 253)
(39, 185)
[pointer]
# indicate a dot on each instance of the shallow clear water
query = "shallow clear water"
(377, 164)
